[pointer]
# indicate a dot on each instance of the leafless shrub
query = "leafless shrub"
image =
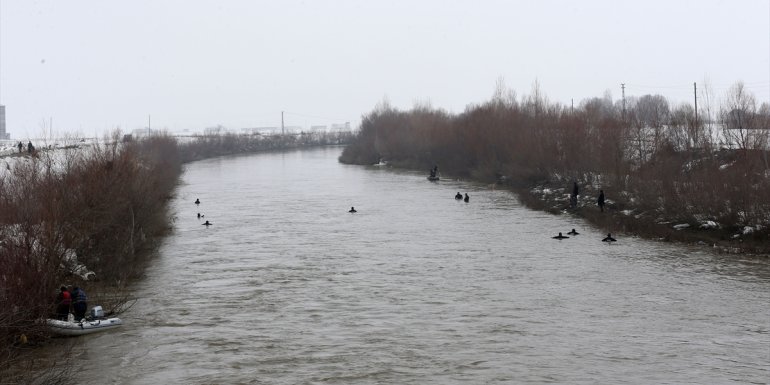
(105, 204)
(662, 156)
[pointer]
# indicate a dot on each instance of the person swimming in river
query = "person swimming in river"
(609, 239)
(197, 201)
(200, 215)
(467, 198)
(458, 196)
(207, 223)
(352, 210)
(560, 237)
(573, 232)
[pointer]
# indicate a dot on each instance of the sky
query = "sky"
(87, 67)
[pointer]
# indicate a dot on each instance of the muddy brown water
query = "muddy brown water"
(287, 287)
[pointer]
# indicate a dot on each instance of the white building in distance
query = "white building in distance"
(3, 134)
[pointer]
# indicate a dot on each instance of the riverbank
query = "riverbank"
(670, 176)
(91, 214)
(77, 216)
(305, 289)
(622, 216)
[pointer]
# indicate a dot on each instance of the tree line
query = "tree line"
(664, 159)
(103, 207)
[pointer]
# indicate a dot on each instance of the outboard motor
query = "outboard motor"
(97, 312)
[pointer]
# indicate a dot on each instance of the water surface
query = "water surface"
(287, 287)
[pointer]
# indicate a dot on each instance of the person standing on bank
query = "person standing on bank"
(573, 197)
(600, 201)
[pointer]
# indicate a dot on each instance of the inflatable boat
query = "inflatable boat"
(95, 322)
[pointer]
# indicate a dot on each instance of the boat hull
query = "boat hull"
(66, 328)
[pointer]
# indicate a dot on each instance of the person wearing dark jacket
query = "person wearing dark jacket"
(600, 201)
(573, 197)
(79, 303)
(609, 238)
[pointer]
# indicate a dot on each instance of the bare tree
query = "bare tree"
(680, 132)
(740, 120)
(647, 118)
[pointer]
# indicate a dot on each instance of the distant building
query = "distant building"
(216, 130)
(143, 132)
(317, 128)
(261, 130)
(341, 127)
(250, 131)
(3, 134)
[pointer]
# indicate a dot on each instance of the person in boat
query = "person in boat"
(609, 238)
(560, 237)
(63, 302)
(352, 210)
(467, 198)
(207, 223)
(79, 303)
(573, 232)
(197, 201)
(458, 195)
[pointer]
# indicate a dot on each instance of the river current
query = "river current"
(287, 287)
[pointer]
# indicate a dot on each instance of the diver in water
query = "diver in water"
(609, 238)
(573, 232)
(207, 223)
(352, 210)
(197, 201)
(459, 196)
(560, 237)
(467, 198)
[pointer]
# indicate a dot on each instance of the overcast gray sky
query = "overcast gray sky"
(91, 66)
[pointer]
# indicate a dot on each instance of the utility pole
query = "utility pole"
(149, 124)
(572, 106)
(282, 129)
(695, 92)
(623, 92)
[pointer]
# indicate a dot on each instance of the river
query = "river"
(287, 287)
